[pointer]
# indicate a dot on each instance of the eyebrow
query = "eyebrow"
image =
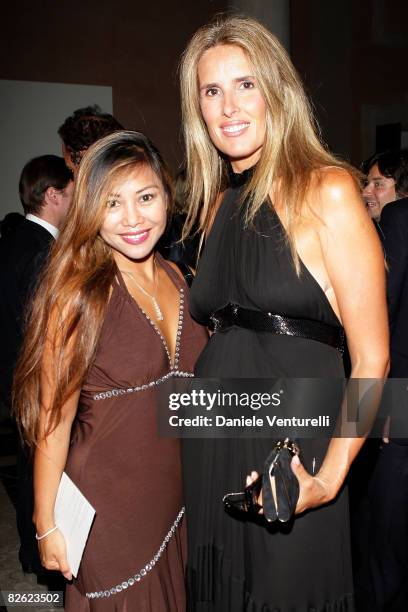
(152, 186)
(237, 80)
(118, 195)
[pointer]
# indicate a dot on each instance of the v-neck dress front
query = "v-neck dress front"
(135, 555)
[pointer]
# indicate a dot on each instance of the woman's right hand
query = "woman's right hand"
(53, 553)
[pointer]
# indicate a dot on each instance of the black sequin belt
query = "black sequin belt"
(233, 315)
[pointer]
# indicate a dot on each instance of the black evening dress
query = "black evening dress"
(237, 565)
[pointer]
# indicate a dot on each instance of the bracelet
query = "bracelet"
(44, 535)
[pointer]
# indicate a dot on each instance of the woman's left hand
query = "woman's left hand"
(313, 490)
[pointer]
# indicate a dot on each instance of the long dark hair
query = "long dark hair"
(69, 306)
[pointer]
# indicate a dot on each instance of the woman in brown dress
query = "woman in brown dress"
(108, 326)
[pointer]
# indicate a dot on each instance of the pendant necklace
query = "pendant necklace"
(152, 298)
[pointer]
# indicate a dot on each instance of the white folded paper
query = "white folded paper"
(74, 516)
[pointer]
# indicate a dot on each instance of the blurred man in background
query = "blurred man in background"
(46, 189)
(84, 127)
(386, 181)
(382, 577)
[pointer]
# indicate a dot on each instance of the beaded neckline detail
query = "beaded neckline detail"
(153, 383)
(175, 364)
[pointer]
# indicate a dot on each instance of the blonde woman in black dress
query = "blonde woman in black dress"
(291, 237)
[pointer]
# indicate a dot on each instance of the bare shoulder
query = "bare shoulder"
(334, 195)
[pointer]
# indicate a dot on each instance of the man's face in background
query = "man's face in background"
(379, 191)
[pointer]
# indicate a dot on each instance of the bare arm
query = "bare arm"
(354, 264)
(49, 463)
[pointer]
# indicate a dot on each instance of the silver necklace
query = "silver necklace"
(152, 298)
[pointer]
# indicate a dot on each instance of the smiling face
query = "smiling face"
(378, 192)
(136, 214)
(232, 105)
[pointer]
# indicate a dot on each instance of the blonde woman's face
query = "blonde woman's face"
(136, 214)
(232, 105)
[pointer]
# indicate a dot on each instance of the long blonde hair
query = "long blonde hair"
(71, 300)
(292, 149)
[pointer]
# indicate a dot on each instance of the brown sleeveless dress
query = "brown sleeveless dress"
(134, 559)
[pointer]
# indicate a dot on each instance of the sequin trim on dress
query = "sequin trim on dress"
(173, 366)
(142, 572)
(117, 392)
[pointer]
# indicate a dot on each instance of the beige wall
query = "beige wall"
(31, 113)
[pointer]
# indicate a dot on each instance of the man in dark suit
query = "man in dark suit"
(46, 189)
(386, 558)
(394, 225)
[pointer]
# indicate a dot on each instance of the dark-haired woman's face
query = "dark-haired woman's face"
(136, 214)
(232, 105)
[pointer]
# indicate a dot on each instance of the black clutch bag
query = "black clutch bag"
(279, 486)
